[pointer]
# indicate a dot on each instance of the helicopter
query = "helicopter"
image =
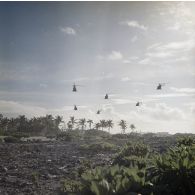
(138, 103)
(74, 87)
(98, 112)
(159, 87)
(106, 96)
(75, 107)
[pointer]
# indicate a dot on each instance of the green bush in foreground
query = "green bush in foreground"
(115, 180)
(172, 173)
(70, 186)
(109, 180)
(132, 154)
(186, 141)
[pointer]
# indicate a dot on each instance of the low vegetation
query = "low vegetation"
(172, 173)
(99, 147)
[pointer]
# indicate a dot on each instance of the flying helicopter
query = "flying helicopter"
(74, 87)
(75, 107)
(159, 87)
(98, 112)
(106, 96)
(138, 103)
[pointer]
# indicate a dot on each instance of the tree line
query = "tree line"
(101, 125)
(35, 126)
(50, 124)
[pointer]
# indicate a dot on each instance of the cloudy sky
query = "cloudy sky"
(123, 49)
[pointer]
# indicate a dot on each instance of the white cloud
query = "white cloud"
(154, 45)
(94, 78)
(125, 79)
(134, 39)
(178, 46)
(103, 76)
(178, 17)
(115, 55)
(13, 108)
(146, 61)
(16, 108)
(176, 26)
(134, 24)
(191, 107)
(161, 111)
(168, 95)
(183, 90)
(161, 54)
(146, 117)
(170, 49)
(123, 101)
(126, 61)
(68, 30)
(131, 59)
(171, 52)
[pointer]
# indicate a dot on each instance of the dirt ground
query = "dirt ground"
(38, 168)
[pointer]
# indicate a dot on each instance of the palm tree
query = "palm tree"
(58, 120)
(49, 124)
(82, 122)
(90, 123)
(72, 121)
(1, 117)
(97, 126)
(4, 123)
(103, 124)
(132, 127)
(69, 125)
(123, 125)
(22, 123)
(12, 124)
(110, 124)
(49, 121)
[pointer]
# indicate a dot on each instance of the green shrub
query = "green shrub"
(96, 133)
(1, 139)
(115, 180)
(70, 186)
(84, 166)
(120, 136)
(185, 141)
(132, 154)
(69, 135)
(2, 132)
(35, 178)
(174, 172)
(19, 135)
(11, 139)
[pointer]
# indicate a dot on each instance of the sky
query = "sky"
(121, 48)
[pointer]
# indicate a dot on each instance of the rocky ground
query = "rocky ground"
(38, 168)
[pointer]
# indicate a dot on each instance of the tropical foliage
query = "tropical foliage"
(172, 173)
(47, 125)
(132, 154)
